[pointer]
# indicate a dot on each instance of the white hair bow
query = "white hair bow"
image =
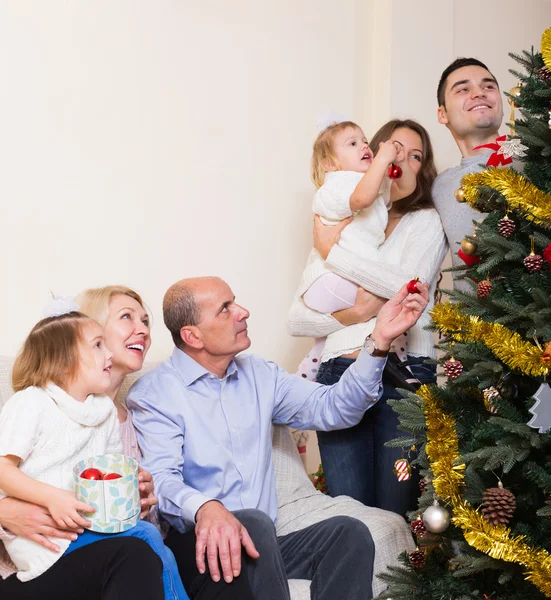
(60, 305)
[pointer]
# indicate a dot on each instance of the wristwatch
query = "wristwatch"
(372, 349)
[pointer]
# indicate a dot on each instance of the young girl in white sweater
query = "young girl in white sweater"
(59, 416)
(351, 182)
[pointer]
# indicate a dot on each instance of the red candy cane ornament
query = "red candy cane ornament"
(402, 469)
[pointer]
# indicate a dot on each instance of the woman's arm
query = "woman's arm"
(424, 249)
(33, 522)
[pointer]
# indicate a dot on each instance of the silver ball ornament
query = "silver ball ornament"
(436, 518)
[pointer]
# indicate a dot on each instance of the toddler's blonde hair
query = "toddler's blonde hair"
(324, 151)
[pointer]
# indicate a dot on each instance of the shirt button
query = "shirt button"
(234, 430)
(211, 376)
(377, 370)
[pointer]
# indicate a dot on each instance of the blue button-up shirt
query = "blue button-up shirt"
(205, 438)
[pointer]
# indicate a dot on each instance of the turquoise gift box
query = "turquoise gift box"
(117, 501)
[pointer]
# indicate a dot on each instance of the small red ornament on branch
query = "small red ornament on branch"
(506, 226)
(453, 368)
(533, 262)
(417, 559)
(418, 527)
(484, 288)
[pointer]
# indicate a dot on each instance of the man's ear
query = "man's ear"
(191, 336)
(442, 116)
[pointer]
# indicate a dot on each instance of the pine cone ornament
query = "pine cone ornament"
(544, 74)
(498, 505)
(452, 368)
(506, 226)
(418, 527)
(423, 483)
(484, 288)
(417, 559)
(533, 262)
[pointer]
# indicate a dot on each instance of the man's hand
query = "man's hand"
(33, 522)
(326, 237)
(147, 492)
(399, 314)
(220, 534)
(366, 307)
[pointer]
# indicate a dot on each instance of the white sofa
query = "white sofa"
(300, 504)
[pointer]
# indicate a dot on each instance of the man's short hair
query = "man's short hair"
(458, 63)
(180, 309)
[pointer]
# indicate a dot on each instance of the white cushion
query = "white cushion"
(300, 504)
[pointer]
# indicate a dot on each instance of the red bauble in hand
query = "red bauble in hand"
(394, 171)
(412, 286)
(92, 473)
(112, 476)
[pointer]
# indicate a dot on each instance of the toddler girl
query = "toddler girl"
(350, 182)
(58, 416)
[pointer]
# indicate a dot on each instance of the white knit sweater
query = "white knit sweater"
(416, 248)
(50, 432)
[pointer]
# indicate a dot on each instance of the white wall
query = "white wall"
(142, 142)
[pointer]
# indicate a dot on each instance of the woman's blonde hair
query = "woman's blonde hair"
(324, 150)
(50, 352)
(94, 302)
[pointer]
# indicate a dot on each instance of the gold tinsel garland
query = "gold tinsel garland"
(519, 193)
(494, 540)
(546, 48)
(506, 345)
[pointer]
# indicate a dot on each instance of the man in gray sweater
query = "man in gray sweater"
(470, 105)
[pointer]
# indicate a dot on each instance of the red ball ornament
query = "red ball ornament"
(468, 259)
(394, 171)
(91, 473)
(412, 286)
(547, 255)
(112, 476)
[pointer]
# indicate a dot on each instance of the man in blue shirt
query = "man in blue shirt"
(204, 421)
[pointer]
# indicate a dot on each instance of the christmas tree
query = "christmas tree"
(483, 527)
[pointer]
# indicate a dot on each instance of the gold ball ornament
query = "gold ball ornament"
(515, 92)
(459, 195)
(468, 247)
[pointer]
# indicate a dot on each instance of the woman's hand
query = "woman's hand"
(326, 237)
(33, 522)
(367, 306)
(147, 492)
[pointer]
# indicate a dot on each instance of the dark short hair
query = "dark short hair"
(458, 63)
(180, 309)
(421, 197)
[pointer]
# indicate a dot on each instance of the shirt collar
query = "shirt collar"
(190, 370)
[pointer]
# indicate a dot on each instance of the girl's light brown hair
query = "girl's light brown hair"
(422, 195)
(324, 150)
(50, 352)
(94, 302)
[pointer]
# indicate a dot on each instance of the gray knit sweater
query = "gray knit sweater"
(457, 219)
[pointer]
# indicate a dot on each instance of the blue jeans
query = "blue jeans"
(355, 461)
(174, 589)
